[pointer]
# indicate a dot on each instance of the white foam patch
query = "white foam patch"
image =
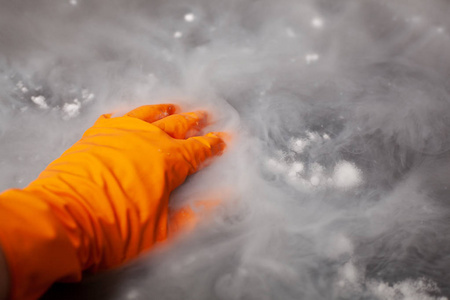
(405, 290)
(313, 136)
(311, 58)
(317, 22)
(87, 96)
(189, 17)
(352, 282)
(298, 145)
(71, 110)
(297, 168)
(39, 101)
(177, 34)
(346, 175)
(306, 176)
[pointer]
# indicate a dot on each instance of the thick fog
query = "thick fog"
(335, 185)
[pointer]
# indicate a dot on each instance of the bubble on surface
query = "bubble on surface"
(189, 17)
(311, 58)
(346, 175)
(317, 22)
(177, 34)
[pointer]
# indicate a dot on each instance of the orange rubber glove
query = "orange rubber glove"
(105, 200)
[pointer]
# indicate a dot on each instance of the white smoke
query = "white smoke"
(337, 178)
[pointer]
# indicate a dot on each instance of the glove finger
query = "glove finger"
(200, 148)
(152, 113)
(181, 126)
(184, 219)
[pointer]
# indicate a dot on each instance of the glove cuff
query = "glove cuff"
(34, 240)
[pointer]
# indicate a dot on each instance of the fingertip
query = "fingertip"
(219, 148)
(186, 218)
(225, 136)
(201, 117)
(173, 108)
(213, 140)
(152, 113)
(183, 125)
(223, 139)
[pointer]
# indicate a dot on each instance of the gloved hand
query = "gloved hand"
(105, 200)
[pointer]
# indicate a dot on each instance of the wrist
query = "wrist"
(36, 246)
(4, 276)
